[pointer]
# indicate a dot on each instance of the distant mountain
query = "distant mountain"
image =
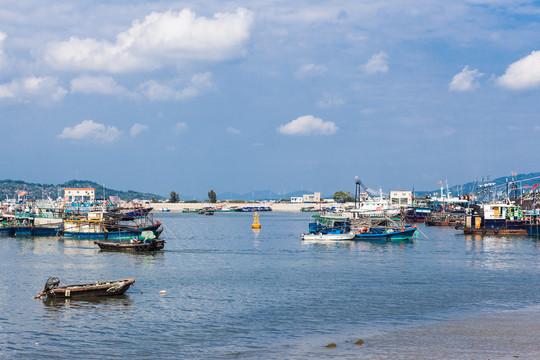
(10, 189)
(498, 183)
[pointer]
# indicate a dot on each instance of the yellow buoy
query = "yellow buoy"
(256, 224)
(163, 292)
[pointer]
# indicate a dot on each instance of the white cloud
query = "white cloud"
(377, 64)
(308, 125)
(330, 100)
(310, 70)
(465, 80)
(199, 84)
(90, 131)
(104, 85)
(160, 39)
(136, 129)
(3, 37)
(42, 89)
(180, 127)
(232, 130)
(523, 74)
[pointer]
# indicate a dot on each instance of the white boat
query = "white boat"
(328, 237)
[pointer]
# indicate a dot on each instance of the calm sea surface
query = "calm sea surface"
(236, 293)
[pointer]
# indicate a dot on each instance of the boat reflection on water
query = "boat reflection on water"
(375, 245)
(113, 303)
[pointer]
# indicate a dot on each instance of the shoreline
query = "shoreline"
(280, 207)
(507, 334)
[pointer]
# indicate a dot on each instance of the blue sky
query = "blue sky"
(278, 95)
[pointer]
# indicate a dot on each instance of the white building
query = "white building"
(79, 194)
(298, 200)
(402, 198)
(312, 198)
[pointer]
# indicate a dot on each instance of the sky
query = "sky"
(161, 96)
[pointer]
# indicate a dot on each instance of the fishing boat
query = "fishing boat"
(389, 229)
(30, 223)
(439, 219)
(135, 211)
(110, 226)
(389, 234)
(328, 237)
(190, 211)
(99, 288)
(494, 219)
(138, 245)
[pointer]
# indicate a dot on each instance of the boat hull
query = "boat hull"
(400, 235)
(29, 231)
(149, 232)
(327, 237)
(533, 230)
(493, 231)
(101, 288)
(152, 245)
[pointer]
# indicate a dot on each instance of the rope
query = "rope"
(170, 232)
(417, 228)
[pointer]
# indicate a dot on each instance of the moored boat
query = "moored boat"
(139, 245)
(99, 288)
(389, 234)
(328, 237)
(495, 219)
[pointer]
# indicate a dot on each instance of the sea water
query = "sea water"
(232, 292)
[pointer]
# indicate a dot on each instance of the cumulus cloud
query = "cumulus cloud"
(136, 129)
(232, 130)
(310, 70)
(43, 89)
(104, 85)
(466, 80)
(199, 84)
(179, 128)
(308, 125)
(160, 39)
(377, 64)
(88, 130)
(523, 74)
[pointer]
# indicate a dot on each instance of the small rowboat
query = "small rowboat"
(99, 288)
(151, 245)
(328, 237)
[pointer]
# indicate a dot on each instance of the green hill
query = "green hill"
(10, 188)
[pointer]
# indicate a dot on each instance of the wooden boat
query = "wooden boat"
(99, 288)
(148, 245)
(328, 237)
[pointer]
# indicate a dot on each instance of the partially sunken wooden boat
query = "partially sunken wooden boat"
(99, 288)
(148, 245)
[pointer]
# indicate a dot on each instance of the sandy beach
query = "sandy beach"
(505, 335)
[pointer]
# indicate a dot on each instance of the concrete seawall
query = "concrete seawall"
(179, 207)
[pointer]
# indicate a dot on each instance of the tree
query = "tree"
(212, 197)
(154, 200)
(174, 197)
(343, 196)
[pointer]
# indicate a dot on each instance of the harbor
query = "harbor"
(220, 287)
